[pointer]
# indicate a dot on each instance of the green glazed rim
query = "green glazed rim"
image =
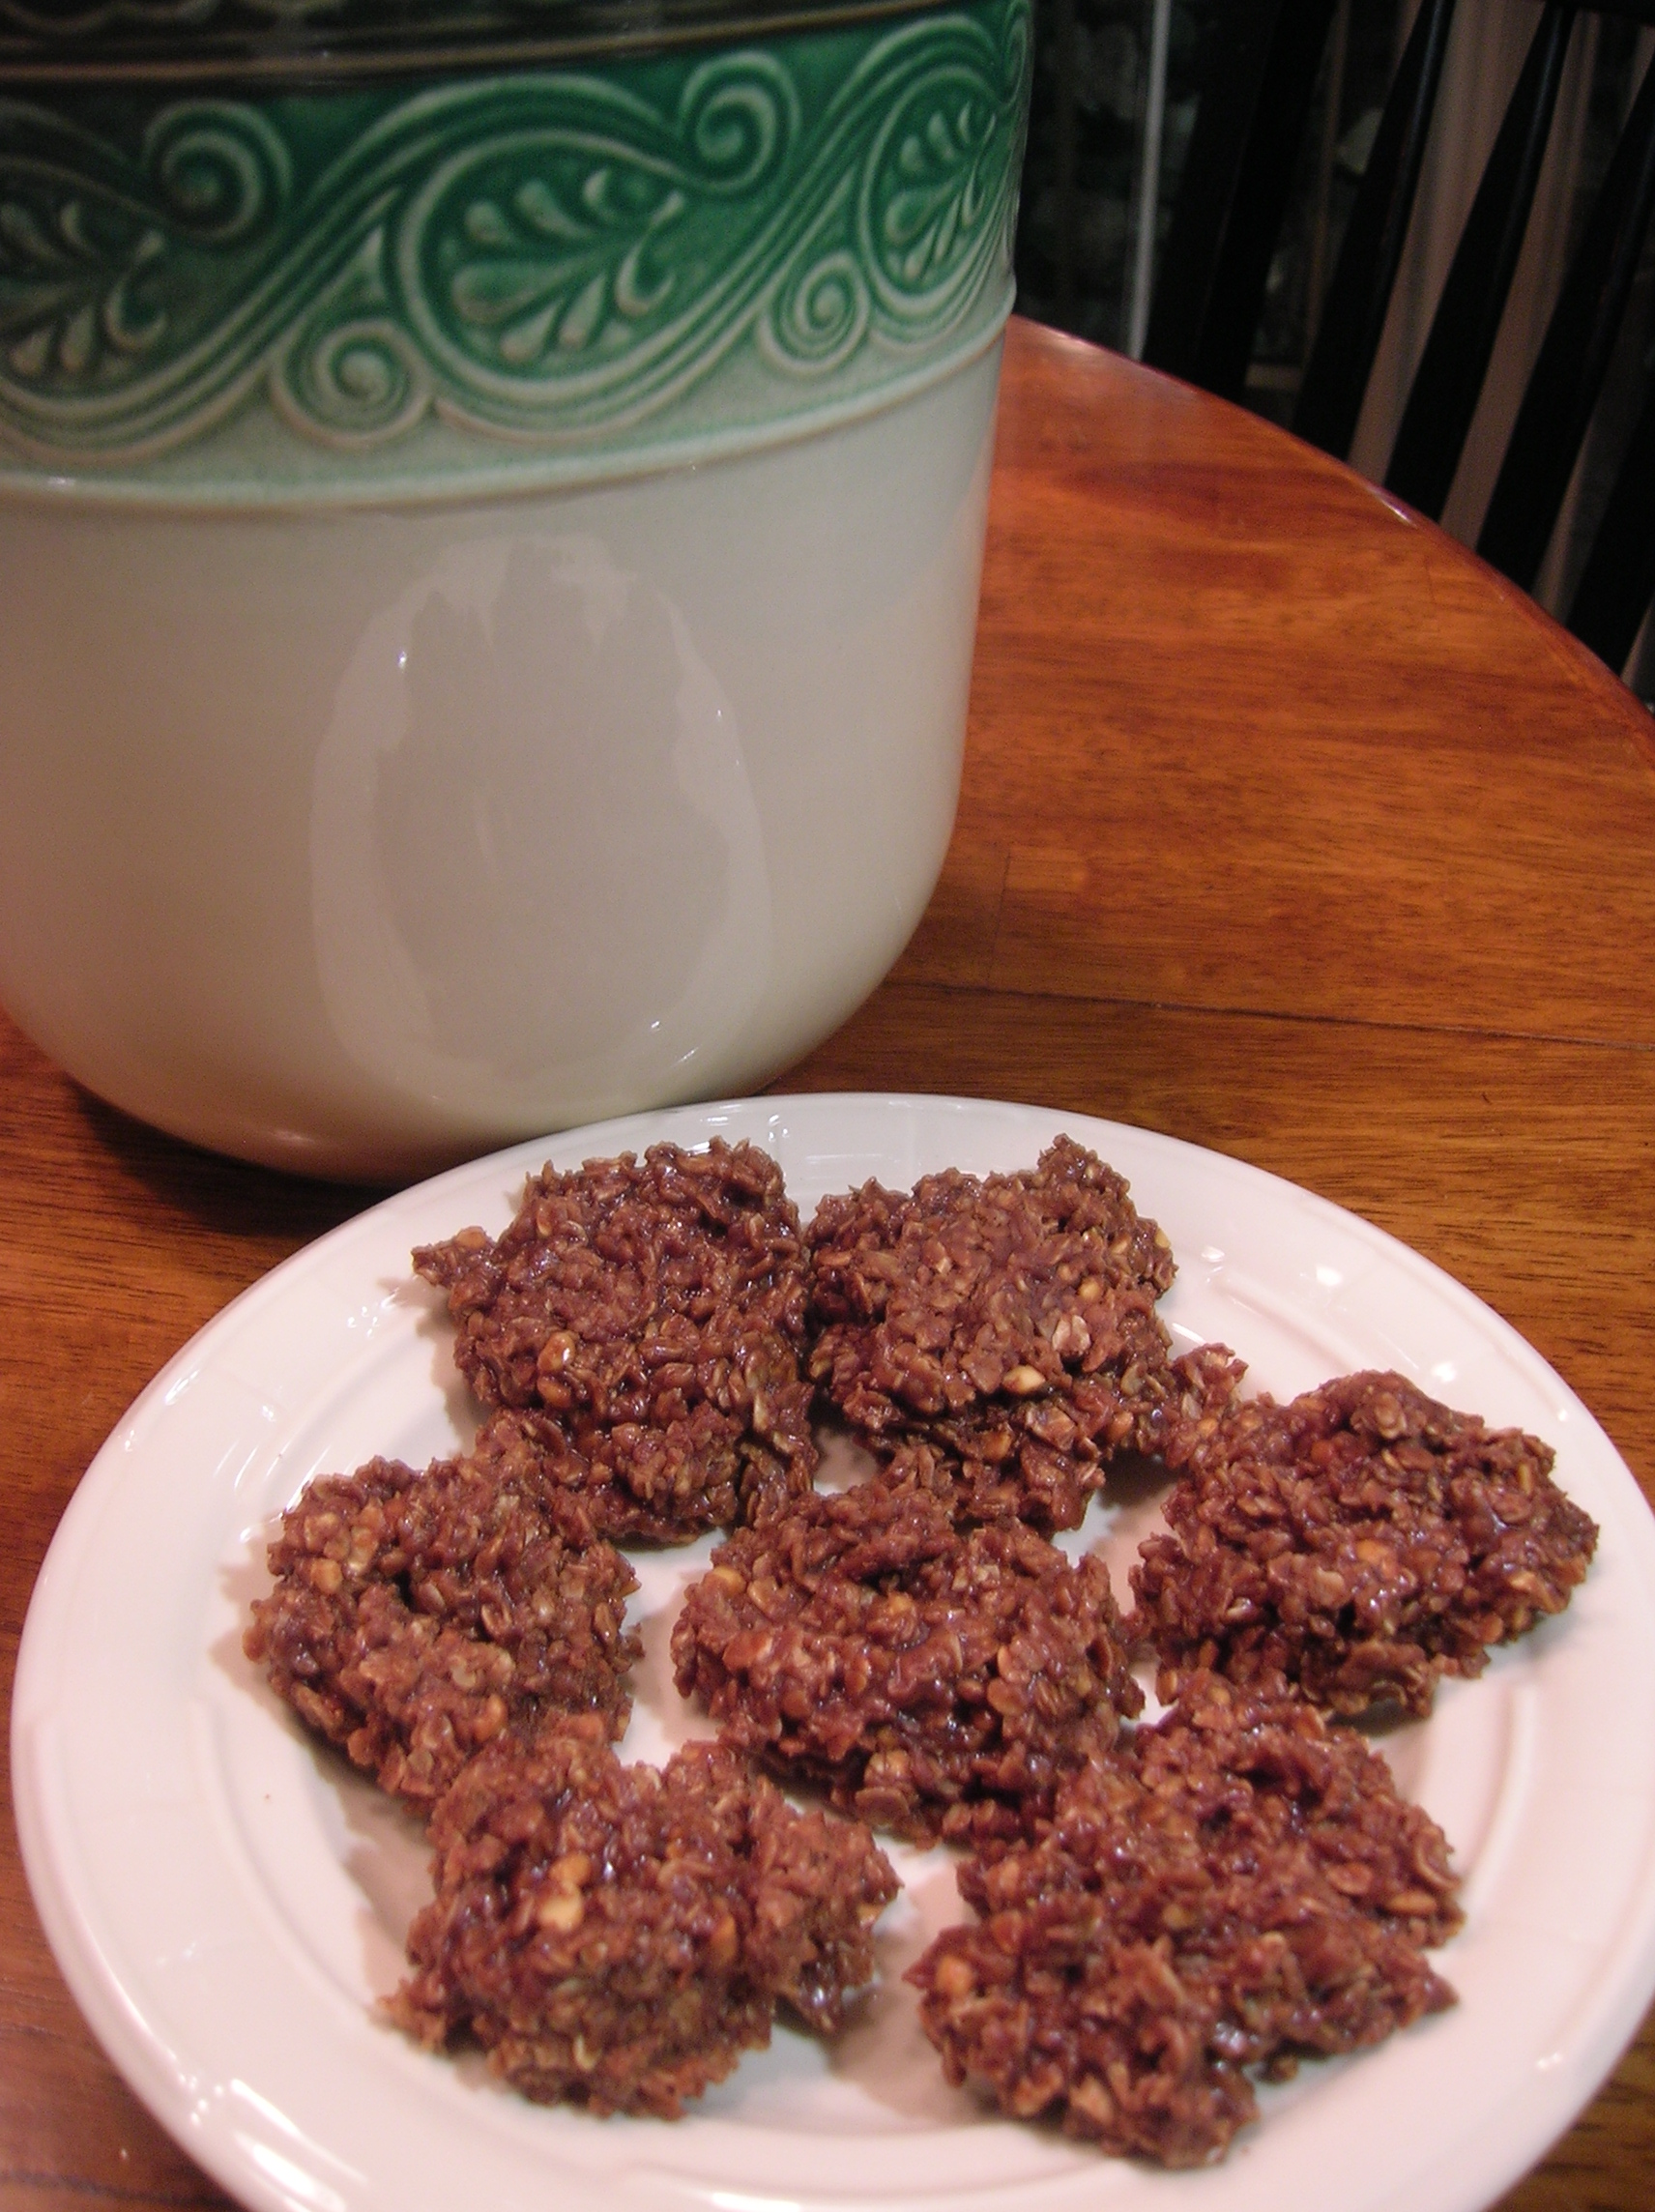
(429, 286)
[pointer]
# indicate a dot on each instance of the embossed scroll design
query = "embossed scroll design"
(541, 258)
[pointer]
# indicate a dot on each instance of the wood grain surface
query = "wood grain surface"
(1286, 828)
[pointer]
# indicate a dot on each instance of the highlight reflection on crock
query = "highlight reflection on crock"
(471, 756)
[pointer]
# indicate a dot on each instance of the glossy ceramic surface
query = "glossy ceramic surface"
(226, 1901)
(489, 557)
(358, 841)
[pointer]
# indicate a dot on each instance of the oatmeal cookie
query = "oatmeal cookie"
(649, 1316)
(933, 1679)
(1360, 1543)
(616, 1936)
(417, 1616)
(1008, 1321)
(1235, 1887)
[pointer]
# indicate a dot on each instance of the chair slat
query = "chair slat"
(1449, 380)
(1618, 581)
(1568, 375)
(1353, 313)
(1238, 172)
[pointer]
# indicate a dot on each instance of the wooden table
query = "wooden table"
(1286, 828)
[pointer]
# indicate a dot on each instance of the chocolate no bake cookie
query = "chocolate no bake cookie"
(616, 1936)
(1235, 1887)
(1008, 1321)
(1357, 1543)
(933, 1679)
(647, 1316)
(417, 1614)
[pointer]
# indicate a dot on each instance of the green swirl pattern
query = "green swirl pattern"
(396, 283)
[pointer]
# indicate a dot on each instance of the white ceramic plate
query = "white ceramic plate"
(226, 1901)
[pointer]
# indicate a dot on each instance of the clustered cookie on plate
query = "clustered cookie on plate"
(1167, 1908)
(1238, 1887)
(1008, 1321)
(935, 1680)
(617, 1937)
(644, 1320)
(1357, 1544)
(418, 1615)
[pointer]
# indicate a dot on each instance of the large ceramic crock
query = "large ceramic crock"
(491, 502)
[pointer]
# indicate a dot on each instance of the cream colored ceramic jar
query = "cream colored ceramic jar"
(488, 561)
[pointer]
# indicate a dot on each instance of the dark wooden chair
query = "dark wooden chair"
(1259, 81)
